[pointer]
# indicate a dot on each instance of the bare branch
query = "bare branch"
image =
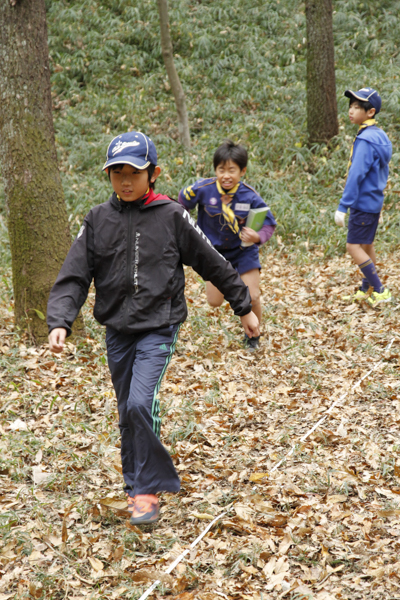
(176, 87)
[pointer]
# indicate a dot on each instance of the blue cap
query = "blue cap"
(133, 148)
(366, 95)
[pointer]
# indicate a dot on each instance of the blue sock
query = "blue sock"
(364, 285)
(369, 271)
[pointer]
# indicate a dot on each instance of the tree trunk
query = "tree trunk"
(37, 217)
(176, 87)
(322, 121)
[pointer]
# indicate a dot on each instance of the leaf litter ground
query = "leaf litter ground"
(325, 525)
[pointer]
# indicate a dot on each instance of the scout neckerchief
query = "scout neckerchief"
(227, 212)
(367, 123)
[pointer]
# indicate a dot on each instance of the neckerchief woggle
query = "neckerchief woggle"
(367, 123)
(227, 212)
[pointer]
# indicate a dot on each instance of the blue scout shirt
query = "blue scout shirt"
(212, 220)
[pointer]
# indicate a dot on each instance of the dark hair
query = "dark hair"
(150, 171)
(230, 151)
(361, 103)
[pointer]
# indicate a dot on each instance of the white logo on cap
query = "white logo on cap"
(122, 145)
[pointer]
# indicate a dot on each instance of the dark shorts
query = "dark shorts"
(362, 227)
(243, 259)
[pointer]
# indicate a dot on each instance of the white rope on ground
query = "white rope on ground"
(306, 435)
(181, 556)
(274, 468)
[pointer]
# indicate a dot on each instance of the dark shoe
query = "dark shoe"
(146, 509)
(252, 343)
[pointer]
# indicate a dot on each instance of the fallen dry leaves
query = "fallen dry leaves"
(325, 525)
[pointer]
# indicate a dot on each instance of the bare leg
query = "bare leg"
(214, 296)
(357, 253)
(364, 256)
(370, 250)
(360, 253)
(252, 280)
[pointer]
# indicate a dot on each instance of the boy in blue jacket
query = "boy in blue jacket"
(223, 205)
(363, 193)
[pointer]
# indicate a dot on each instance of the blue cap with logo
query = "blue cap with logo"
(133, 148)
(366, 95)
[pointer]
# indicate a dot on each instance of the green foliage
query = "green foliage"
(243, 70)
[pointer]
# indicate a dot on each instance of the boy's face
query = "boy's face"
(229, 174)
(131, 183)
(358, 115)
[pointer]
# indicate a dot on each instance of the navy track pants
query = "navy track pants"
(137, 364)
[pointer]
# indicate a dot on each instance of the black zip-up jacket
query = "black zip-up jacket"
(135, 253)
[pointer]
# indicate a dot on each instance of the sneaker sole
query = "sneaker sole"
(379, 302)
(352, 299)
(133, 521)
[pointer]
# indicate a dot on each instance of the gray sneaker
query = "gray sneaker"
(252, 343)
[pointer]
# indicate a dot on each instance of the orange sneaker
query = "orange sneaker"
(131, 503)
(146, 509)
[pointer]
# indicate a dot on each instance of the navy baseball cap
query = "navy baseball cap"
(366, 95)
(133, 148)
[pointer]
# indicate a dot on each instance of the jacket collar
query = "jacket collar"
(149, 198)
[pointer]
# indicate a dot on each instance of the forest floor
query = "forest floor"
(324, 525)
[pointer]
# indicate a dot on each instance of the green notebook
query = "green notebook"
(255, 220)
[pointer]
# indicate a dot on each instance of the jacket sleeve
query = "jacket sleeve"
(363, 157)
(267, 229)
(269, 224)
(266, 233)
(197, 251)
(188, 196)
(73, 281)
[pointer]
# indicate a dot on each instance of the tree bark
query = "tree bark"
(322, 121)
(176, 87)
(37, 218)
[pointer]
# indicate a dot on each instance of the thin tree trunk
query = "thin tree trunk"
(322, 121)
(37, 217)
(176, 87)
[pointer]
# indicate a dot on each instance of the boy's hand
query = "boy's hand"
(249, 235)
(251, 325)
(339, 218)
(57, 338)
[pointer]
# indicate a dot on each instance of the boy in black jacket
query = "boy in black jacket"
(134, 247)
